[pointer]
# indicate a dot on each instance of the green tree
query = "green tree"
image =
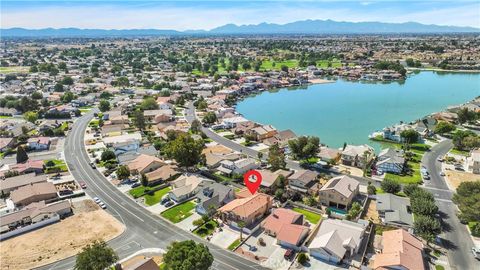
(31, 116)
(371, 190)
(21, 154)
(139, 119)
(467, 198)
(284, 68)
(410, 189)
(123, 172)
(144, 179)
(68, 96)
(209, 118)
(149, 104)
(185, 150)
(58, 87)
(427, 227)
(122, 82)
(444, 127)
(96, 256)
(302, 258)
(108, 155)
(196, 126)
(409, 136)
(67, 80)
(423, 206)
(304, 147)
(354, 211)
(241, 224)
(465, 115)
(187, 255)
(104, 105)
(276, 157)
(390, 186)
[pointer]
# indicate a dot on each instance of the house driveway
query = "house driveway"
(186, 224)
(314, 264)
(225, 237)
(156, 208)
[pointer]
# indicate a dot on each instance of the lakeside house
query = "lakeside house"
(394, 210)
(304, 181)
(240, 166)
(390, 160)
(339, 192)
(357, 155)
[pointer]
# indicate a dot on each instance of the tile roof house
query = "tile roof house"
(357, 155)
(144, 164)
(339, 192)
(240, 166)
(38, 143)
(337, 239)
(401, 250)
(12, 183)
(390, 160)
(262, 132)
(28, 166)
(287, 226)
(33, 213)
(304, 181)
(33, 193)
(394, 210)
(215, 154)
(211, 196)
(140, 264)
(281, 138)
(329, 154)
(163, 173)
(7, 143)
(184, 187)
(248, 210)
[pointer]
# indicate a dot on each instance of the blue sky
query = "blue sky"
(183, 15)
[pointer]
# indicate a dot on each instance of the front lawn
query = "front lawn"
(233, 245)
(157, 196)
(55, 166)
(460, 152)
(206, 229)
(179, 212)
(415, 176)
(312, 217)
(140, 191)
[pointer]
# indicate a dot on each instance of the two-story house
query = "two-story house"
(357, 155)
(248, 210)
(240, 166)
(339, 192)
(304, 181)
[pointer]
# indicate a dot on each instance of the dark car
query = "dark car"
(82, 184)
(64, 192)
(165, 200)
(169, 203)
(93, 165)
(136, 185)
(289, 254)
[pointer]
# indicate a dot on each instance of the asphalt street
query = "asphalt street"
(455, 238)
(143, 229)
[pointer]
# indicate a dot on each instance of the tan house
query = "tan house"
(357, 155)
(33, 193)
(399, 250)
(304, 181)
(339, 192)
(144, 164)
(248, 210)
(472, 163)
(163, 173)
(262, 132)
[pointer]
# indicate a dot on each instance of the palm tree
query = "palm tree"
(241, 224)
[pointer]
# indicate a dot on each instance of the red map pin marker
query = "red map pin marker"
(252, 186)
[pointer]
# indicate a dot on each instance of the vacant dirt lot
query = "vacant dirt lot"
(59, 240)
(454, 178)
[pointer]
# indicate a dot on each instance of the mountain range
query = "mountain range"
(310, 27)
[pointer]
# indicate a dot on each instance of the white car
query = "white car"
(442, 174)
(102, 205)
(97, 200)
(476, 253)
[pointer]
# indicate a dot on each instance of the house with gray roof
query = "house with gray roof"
(390, 160)
(339, 192)
(211, 196)
(394, 210)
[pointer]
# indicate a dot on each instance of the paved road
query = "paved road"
(143, 229)
(456, 237)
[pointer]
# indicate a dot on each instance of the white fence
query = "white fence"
(30, 227)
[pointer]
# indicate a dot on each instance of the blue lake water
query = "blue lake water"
(347, 111)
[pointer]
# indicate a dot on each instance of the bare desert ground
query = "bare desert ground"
(60, 240)
(454, 178)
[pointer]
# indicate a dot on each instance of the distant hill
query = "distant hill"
(333, 27)
(298, 27)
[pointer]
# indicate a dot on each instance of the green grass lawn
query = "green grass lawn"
(460, 152)
(269, 64)
(179, 212)
(223, 177)
(139, 191)
(5, 117)
(157, 196)
(439, 267)
(206, 229)
(324, 63)
(234, 244)
(59, 166)
(416, 177)
(314, 218)
(6, 70)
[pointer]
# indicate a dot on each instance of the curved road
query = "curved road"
(143, 229)
(455, 238)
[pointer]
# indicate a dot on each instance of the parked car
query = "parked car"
(93, 165)
(82, 184)
(96, 199)
(102, 205)
(476, 253)
(442, 174)
(135, 185)
(288, 254)
(440, 159)
(64, 192)
(165, 200)
(169, 203)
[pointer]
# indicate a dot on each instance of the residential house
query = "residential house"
(112, 140)
(126, 146)
(243, 127)
(158, 116)
(240, 166)
(287, 227)
(357, 155)
(269, 178)
(472, 163)
(211, 196)
(400, 250)
(33, 193)
(330, 155)
(339, 192)
(281, 138)
(162, 174)
(34, 213)
(217, 153)
(185, 187)
(390, 160)
(136, 263)
(6, 144)
(305, 181)
(38, 143)
(394, 210)
(262, 132)
(144, 164)
(29, 166)
(248, 210)
(12, 183)
(337, 239)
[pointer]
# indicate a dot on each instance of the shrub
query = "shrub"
(476, 230)
(391, 186)
(302, 258)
